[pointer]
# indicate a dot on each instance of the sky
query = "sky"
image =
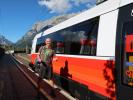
(18, 16)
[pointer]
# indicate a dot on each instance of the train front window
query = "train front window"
(127, 55)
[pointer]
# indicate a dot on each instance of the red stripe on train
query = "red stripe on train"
(94, 73)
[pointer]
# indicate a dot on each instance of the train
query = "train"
(94, 51)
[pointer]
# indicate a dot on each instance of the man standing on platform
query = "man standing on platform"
(45, 57)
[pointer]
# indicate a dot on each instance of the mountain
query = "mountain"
(4, 41)
(41, 26)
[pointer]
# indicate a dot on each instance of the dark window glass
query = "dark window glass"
(79, 39)
(127, 54)
(38, 44)
(57, 42)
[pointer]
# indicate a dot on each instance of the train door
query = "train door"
(124, 54)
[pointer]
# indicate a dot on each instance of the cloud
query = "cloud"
(88, 3)
(56, 6)
(63, 6)
(78, 2)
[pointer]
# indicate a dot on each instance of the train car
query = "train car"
(94, 51)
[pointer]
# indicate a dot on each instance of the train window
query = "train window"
(60, 47)
(37, 46)
(57, 43)
(71, 40)
(127, 55)
(88, 39)
(81, 39)
(40, 42)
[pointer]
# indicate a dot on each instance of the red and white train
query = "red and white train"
(94, 51)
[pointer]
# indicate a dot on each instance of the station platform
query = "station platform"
(13, 83)
(50, 91)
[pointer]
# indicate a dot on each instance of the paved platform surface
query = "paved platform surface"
(13, 84)
(52, 92)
